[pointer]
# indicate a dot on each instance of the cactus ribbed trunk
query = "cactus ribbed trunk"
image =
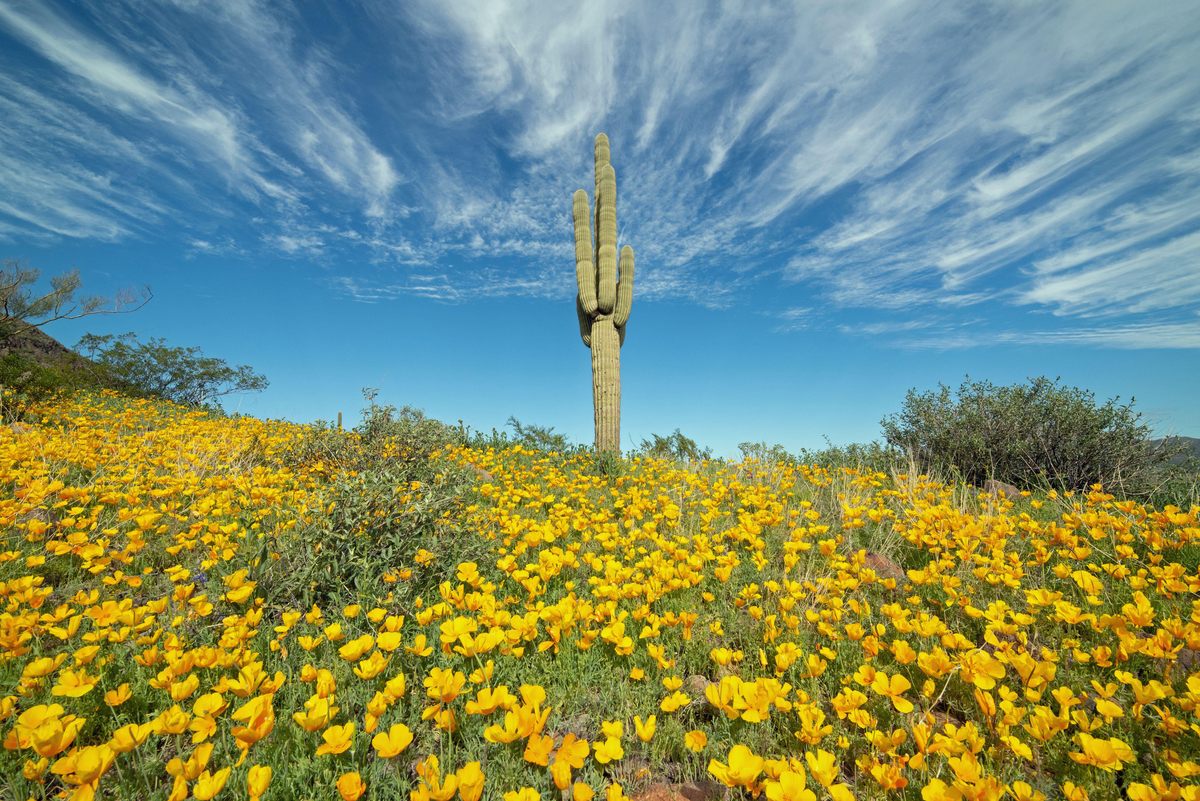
(605, 295)
(606, 383)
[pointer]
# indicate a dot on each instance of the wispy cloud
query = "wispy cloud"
(430, 287)
(1164, 276)
(1184, 334)
(109, 79)
(797, 318)
(52, 187)
(296, 95)
(942, 332)
(238, 107)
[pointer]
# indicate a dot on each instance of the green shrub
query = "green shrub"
(1037, 434)
(367, 523)
(676, 445)
(405, 433)
(540, 438)
(767, 454)
(863, 456)
(607, 465)
(1178, 482)
(389, 495)
(20, 373)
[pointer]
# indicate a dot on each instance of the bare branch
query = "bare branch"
(21, 310)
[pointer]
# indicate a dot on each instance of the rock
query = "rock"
(1000, 489)
(884, 567)
(695, 685)
(701, 790)
(659, 792)
(692, 790)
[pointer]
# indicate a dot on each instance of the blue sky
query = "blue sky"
(830, 202)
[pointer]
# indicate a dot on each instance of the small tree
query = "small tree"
(1027, 434)
(23, 309)
(182, 375)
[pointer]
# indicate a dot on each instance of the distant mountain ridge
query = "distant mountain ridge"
(1189, 445)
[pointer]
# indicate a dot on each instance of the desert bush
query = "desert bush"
(528, 435)
(368, 529)
(405, 433)
(868, 456)
(676, 445)
(607, 465)
(1177, 482)
(540, 438)
(767, 454)
(1041, 433)
(389, 496)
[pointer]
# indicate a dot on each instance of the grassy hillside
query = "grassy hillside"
(36, 363)
(214, 607)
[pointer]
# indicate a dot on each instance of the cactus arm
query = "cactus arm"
(602, 154)
(602, 158)
(624, 290)
(606, 240)
(585, 323)
(585, 270)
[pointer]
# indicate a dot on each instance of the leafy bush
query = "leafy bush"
(607, 465)
(861, 456)
(389, 496)
(675, 445)
(386, 437)
(406, 433)
(539, 438)
(34, 367)
(767, 454)
(378, 518)
(1177, 484)
(181, 375)
(1039, 433)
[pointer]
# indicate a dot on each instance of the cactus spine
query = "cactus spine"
(605, 296)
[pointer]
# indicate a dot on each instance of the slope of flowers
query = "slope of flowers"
(752, 629)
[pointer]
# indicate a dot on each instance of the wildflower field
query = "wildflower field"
(210, 607)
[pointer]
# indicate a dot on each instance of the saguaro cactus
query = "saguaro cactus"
(604, 298)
